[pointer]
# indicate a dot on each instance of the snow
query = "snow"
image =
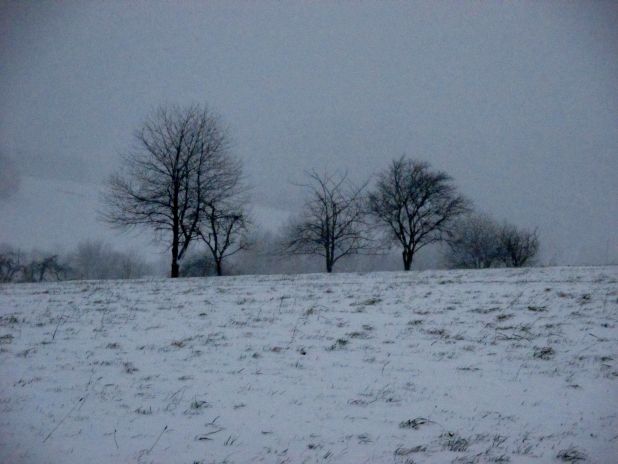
(432, 367)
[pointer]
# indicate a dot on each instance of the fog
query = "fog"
(518, 102)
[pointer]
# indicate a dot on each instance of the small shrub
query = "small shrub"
(571, 455)
(413, 423)
(454, 442)
(545, 352)
(340, 343)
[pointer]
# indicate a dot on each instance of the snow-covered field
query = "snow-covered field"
(431, 367)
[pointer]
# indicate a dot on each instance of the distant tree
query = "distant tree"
(166, 180)
(223, 223)
(518, 247)
(129, 265)
(332, 224)
(91, 260)
(477, 241)
(35, 266)
(43, 269)
(95, 259)
(473, 242)
(11, 264)
(415, 204)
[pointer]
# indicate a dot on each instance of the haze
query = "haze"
(517, 101)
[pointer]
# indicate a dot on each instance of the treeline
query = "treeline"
(90, 260)
(97, 260)
(476, 241)
(182, 182)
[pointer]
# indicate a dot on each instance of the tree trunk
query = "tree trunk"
(175, 245)
(175, 269)
(219, 267)
(329, 266)
(407, 259)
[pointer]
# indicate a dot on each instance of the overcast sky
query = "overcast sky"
(518, 101)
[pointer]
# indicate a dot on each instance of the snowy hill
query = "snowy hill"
(457, 366)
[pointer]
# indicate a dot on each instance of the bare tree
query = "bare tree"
(43, 269)
(167, 178)
(11, 263)
(223, 220)
(91, 260)
(333, 221)
(477, 241)
(518, 247)
(415, 204)
(473, 242)
(94, 259)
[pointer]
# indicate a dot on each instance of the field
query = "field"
(425, 367)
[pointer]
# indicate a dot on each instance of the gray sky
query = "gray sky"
(517, 101)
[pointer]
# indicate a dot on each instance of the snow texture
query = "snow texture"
(433, 367)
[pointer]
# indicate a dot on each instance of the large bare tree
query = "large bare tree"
(223, 217)
(169, 175)
(333, 223)
(415, 204)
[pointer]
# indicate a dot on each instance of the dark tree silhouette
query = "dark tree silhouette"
(11, 264)
(518, 247)
(415, 204)
(166, 180)
(332, 224)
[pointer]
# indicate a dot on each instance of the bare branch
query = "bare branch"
(168, 178)
(333, 222)
(415, 205)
